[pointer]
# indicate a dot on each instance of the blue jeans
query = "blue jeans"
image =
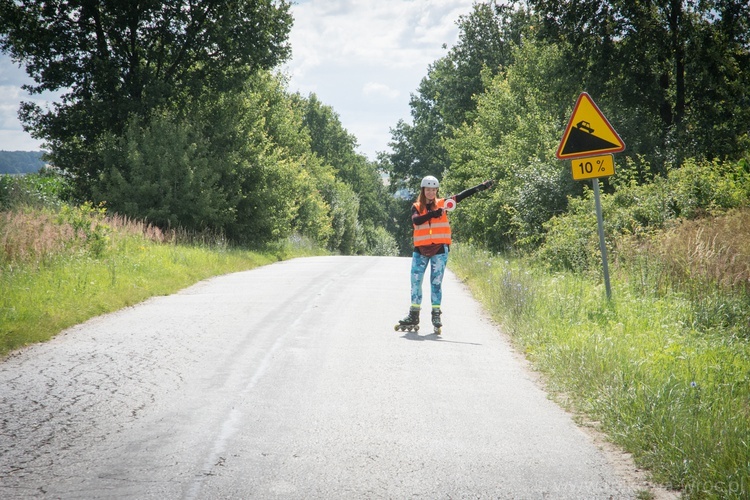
(437, 271)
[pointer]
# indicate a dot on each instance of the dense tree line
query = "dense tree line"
(174, 114)
(672, 76)
(120, 59)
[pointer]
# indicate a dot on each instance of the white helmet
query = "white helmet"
(430, 182)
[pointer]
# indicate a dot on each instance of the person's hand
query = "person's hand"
(436, 213)
(487, 184)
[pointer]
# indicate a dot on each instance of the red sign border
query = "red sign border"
(584, 154)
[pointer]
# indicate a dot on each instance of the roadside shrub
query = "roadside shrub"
(344, 204)
(46, 189)
(379, 241)
(542, 193)
(161, 171)
(700, 187)
(636, 209)
(571, 240)
(88, 225)
(694, 190)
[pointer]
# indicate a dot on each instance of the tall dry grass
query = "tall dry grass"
(121, 224)
(29, 236)
(715, 250)
(33, 236)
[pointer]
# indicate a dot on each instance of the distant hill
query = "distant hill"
(20, 162)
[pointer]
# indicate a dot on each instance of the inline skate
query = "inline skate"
(409, 323)
(436, 322)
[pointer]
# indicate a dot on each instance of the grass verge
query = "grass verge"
(54, 276)
(675, 396)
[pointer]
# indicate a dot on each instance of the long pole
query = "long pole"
(602, 244)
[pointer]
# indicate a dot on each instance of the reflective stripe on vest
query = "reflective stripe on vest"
(434, 230)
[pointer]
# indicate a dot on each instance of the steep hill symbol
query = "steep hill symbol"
(582, 140)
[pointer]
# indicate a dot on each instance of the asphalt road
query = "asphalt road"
(289, 381)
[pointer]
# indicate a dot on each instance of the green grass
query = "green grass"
(673, 394)
(50, 280)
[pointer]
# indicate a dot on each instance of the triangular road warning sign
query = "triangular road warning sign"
(588, 133)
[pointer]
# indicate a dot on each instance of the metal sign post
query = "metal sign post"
(602, 243)
(587, 135)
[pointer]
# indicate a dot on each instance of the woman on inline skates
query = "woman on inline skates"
(432, 240)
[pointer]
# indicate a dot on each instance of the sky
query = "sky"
(363, 58)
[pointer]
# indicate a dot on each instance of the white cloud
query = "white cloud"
(11, 132)
(380, 89)
(12, 135)
(365, 58)
(10, 72)
(390, 33)
(18, 140)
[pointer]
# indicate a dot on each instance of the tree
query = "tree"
(161, 171)
(121, 58)
(717, 82)
(236, 162)
(673, 73)
(355, 218)
(446, 97)
(271, 178)
(513, 140)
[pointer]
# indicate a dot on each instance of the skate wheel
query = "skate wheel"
(416, 328)
(397, 327)
(437, 331)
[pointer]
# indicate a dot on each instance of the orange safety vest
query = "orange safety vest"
(434, 230)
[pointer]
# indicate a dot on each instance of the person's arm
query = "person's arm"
(471, 191)
(421, 219)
